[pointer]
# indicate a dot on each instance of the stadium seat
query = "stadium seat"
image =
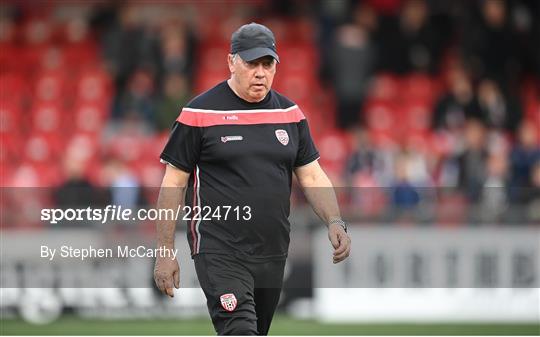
(13, 88)
(334, 147)
(384, 87)
(10, 118)
(93, 86)
(298, 58)
(416, 115)
(206, 80)
(80, 54)
(295, 85)
(126, 147)
(50, 86)
(83, 146)
(367, 196)
(213, 57)
(380, 115)
(154, 145)
(48, 117)
(43, 148)
(89, 118)
(11, 145)
(418, 87)
(150, 173)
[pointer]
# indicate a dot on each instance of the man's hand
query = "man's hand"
(340, 241)
(167, 275)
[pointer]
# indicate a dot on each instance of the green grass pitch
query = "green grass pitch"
(282, 325)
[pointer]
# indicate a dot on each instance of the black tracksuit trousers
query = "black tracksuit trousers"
(241, 296)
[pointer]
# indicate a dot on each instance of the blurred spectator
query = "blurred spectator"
(124, 186)
(362, 157)
(488, 43)
(495, 110)
(353, 57)
(127, 45)
(456, 106)
(533, 200)
(470, 166)
(139, 99)
(77, 191)
(410, 42)
(524, 156)
(177, 50)
(493, 203)
(176, 95)
(405, 196)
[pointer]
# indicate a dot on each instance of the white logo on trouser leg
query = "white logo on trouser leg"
(228, 302)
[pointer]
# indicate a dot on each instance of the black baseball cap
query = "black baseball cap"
(252, 41)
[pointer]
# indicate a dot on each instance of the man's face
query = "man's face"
(252, 80)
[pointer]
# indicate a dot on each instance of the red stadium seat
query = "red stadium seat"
(150, 173)
(81, 54)
(13, 88)
(206, 80)
(298, 58)
(296, 86)
(384, 87)
(214, 57)
(367, 196)
(30, 59)
(82, 146)
(385, 139)
(50, 86)
(416, 115)
(11, 145)
(30, 174)
(93, 86)
(126, 147)
(380, 116)
(89, 118)
(10, 119)
(47, 117)
(43, 148)
(334, 147)
(418, 87)
(154, 146)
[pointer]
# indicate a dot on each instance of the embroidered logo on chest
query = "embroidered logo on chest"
(282, 136)
(226, 139)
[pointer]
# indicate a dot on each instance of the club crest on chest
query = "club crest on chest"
(282, 136)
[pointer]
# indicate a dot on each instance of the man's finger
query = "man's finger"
(342, 247)
(158, 283)
(169, 291)
(333, 239)
(343, 243)
(177, 279)
(342, 256)
(167, 286)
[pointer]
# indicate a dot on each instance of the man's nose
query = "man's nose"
(259, 71)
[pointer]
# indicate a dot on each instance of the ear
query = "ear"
(230, 63)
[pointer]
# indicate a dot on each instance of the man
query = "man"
(236, 146)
